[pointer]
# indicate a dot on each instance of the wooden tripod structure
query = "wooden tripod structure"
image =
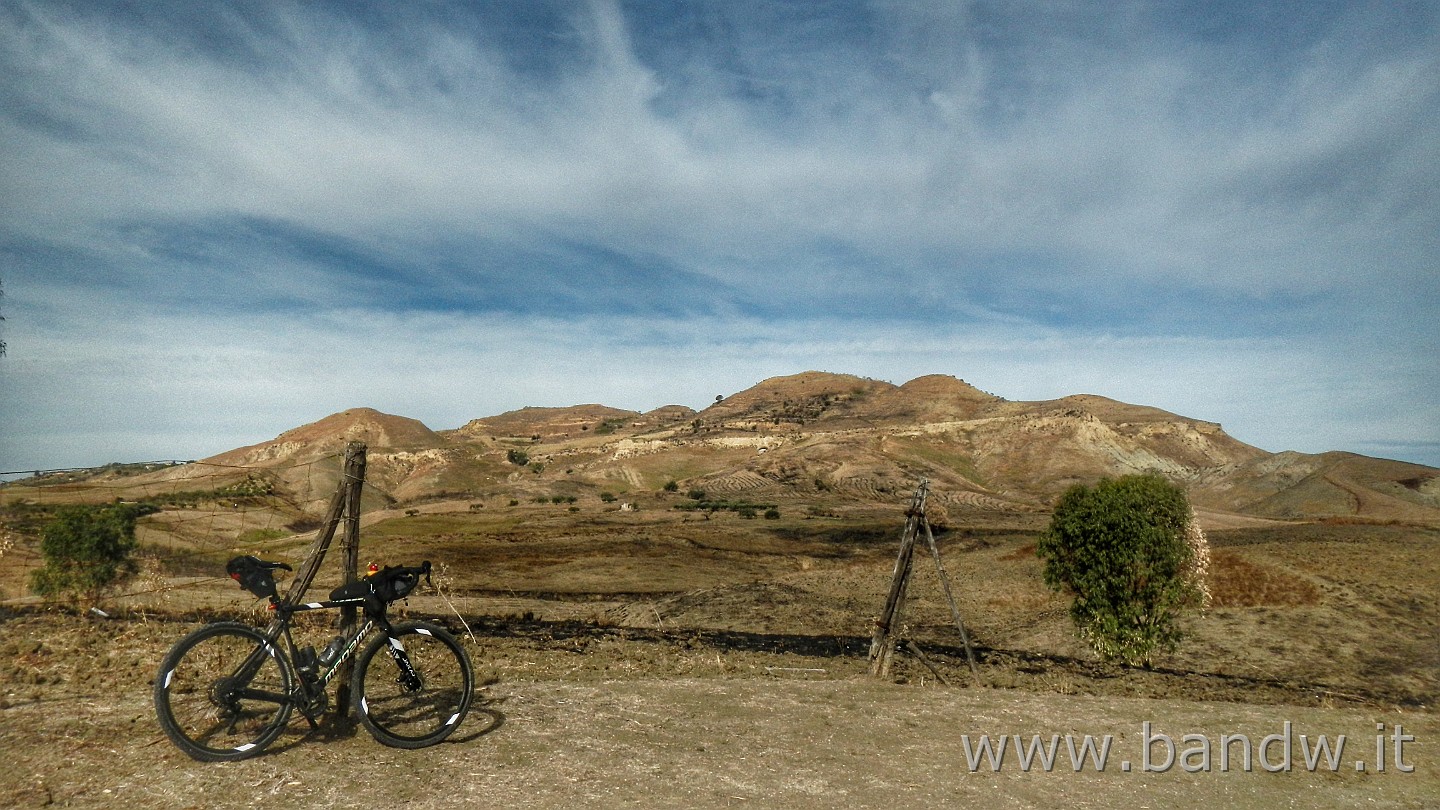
(887, 629)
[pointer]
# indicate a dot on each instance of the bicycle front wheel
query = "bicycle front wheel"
(223, 692)
(413, 687)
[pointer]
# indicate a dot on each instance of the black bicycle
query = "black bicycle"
(227, 690)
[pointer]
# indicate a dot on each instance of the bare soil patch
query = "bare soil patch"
(662, 658)
(624, 730)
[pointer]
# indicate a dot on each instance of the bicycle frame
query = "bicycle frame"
(308, 688)
(218, 703)
(325, 674)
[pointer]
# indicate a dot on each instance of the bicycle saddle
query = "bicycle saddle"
(253, 574)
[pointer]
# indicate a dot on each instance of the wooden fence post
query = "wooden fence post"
(353, 481)
(345, 504)
(954, 611)
(887, 630)
(346, 500)
(882, 645)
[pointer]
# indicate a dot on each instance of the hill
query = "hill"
(835, 436)
(1324, 575)
(829, 440)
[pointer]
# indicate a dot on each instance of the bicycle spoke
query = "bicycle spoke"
(222, 693)
(414, 689)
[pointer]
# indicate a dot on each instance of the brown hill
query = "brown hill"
(824, 437)
(1291, 485)
(331, 434)
(550, 423)
(928, 399)
(793, 401)
(306, 461)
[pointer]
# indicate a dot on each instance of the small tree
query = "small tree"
(86, 551)
(1121, 548)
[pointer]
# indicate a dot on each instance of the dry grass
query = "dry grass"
(673, 661)
(1238, 582)
(1025, 552)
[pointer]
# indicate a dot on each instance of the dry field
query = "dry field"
(664, 658)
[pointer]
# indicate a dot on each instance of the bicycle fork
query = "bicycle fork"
(408, 678)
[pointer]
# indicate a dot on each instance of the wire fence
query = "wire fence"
(205, 512)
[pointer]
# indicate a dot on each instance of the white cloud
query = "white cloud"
(237, 380)
(1012, 196)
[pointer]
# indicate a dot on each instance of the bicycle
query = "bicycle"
(227, 690)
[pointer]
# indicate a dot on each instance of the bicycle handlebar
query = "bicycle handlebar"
(398, 572)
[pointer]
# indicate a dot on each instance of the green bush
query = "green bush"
(1119, 547)
(86, 551)
(518, 457)
(252, 537)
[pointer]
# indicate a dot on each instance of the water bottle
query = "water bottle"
(332, 651)
(305, 662)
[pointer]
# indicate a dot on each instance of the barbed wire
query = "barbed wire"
(158, 463)
(273, 471)
(151, 490)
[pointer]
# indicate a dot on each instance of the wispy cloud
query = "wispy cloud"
(1085, 189)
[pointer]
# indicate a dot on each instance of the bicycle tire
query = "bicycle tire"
(416, 714)
(223, 692)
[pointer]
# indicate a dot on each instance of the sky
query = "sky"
(219, 221)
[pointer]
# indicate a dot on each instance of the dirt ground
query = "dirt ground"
(661, 659)
(752, 730)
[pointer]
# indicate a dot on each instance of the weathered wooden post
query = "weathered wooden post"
(345, 502)
(887, 630)
(351, 482)
(954, 610)
(346, 505)
(882, 645)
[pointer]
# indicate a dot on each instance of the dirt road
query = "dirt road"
(752, 742)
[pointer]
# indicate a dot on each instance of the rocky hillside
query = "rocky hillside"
(826, 436)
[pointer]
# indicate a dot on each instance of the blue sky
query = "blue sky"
(219, 221)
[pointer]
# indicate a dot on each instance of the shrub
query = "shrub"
(256, 536)
(1120, 548)
(671, 486)
(518, 457)
(86, 551)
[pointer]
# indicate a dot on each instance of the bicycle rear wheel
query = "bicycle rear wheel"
(223, 692)
(418, 692)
